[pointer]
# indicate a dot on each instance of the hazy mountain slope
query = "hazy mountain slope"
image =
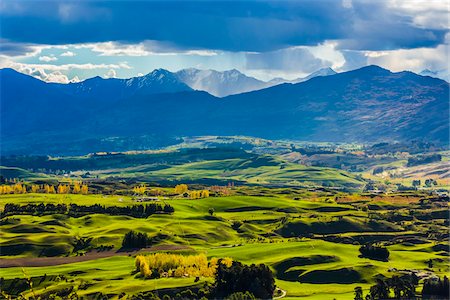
(220, 84)
(441, 74)
(320, 72)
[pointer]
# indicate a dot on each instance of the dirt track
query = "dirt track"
(54, 261)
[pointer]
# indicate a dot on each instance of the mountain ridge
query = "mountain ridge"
(370, 104)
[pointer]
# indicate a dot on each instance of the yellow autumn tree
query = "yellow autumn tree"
(140, 190)
(194, 194)
(181, 189)
(227, 261)
(76, 189)
(138, 261)
(6, 189)
(63, 189)
(18, 188)
(84, 189)
(35, 188)
(145, 270)
(49, 189)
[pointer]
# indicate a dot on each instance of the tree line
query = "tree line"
(175, 265)
(436, 289)
(19, 188)
(75, 210)
(404, 287)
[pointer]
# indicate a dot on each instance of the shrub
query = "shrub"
(236, 225)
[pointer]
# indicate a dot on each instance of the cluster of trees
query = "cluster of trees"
(181, 189)
(403, 287)
(428, 182)
(436, 289)
(136, 240)
(256, 279)
(373, 251)
(19, 188)
(221, 190)
(16, 188)
(140, 189)
(136, 211)
(176, 265)
(199, 194)
(423, 159)
(33, 209)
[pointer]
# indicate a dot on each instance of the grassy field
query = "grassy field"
(324, 263)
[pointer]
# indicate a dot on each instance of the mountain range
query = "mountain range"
(366, 105)
(232, 82)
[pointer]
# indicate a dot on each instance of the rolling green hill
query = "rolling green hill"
(208, 166)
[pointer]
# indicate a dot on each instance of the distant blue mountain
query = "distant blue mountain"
(158, 81)
(370, 104)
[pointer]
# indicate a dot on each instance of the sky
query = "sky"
(64, 41)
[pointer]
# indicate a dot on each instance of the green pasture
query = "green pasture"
(326, 269)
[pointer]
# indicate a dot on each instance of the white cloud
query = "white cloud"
(294, 62)
(116, 49)
(47, 58)
(40, 73)
(347, 3)
(432, 14)
(327, 52)
(68, 67)
(68, 53)
(145, 48)
(414, 60)
(57, 77)
(56, 73)
(24, 50)
(75, 79)
(110, 74)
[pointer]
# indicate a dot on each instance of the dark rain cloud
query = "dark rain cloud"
(233, 26)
